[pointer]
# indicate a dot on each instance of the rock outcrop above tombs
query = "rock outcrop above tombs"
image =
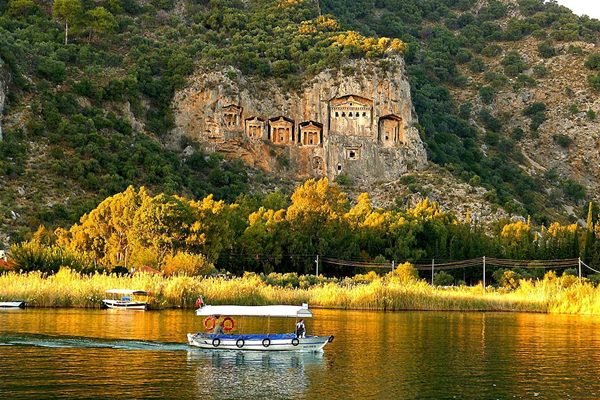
(356, 121)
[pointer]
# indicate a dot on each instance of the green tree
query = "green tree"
(20, 8)
(67, 12)
(101, 21)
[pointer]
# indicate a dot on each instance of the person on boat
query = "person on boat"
(300, 329)
(219, 328)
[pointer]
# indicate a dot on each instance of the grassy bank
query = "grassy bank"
(70, 289)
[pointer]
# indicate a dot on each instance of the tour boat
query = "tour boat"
(254, 341)
(13, 304)
(126, 299)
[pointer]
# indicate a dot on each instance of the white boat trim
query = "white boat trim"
(12, 304)
(280, 342)
(125, 305)
(126, 302)
(257, 311)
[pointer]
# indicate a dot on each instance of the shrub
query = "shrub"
(574, 190)
(489, 121)
(524, 81)
(491, 50)
(406, 273)
(513, 64)
(344, 180)
(537, 113)
(546, 49)
(591, 115)
(507, 279)
(443, 278)
(573, 109)
(594, 81)
(562, 140)
(487, 94)
(52, 69)
(540, 71)
(594, 278)
(477, 65)
(517, 134)
(593, 62)
(33, 256)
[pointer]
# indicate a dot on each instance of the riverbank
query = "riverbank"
(389, 293)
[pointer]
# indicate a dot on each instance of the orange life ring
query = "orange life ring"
(228, 324)
(209, 323)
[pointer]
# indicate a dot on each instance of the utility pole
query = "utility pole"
(484, 273)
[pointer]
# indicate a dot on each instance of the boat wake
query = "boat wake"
(83, 342)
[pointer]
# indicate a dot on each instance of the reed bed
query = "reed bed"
(71, 289)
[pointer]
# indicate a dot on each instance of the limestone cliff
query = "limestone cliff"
(357, 121)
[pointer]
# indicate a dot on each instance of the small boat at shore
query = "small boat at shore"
(229, 340)
(126, 299)
(13, 304)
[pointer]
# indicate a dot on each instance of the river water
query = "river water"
(76, 354)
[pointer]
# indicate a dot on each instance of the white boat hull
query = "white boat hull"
(258, 342)
(125, 305)
(12, 304)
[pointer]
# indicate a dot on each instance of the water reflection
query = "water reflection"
(411, 355)
(236, 374)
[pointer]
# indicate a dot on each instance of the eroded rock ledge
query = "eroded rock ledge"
(358, 121)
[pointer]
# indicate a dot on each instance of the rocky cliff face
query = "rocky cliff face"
(566, 145)
(357, 121)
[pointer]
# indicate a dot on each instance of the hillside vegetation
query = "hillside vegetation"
(91, 85)
(89, 106)
(178, 235)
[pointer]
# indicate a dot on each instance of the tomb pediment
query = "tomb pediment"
(393, 117)
(255, 119)
(232, 108)
(351, 101)
(311, 125)
(281, 120)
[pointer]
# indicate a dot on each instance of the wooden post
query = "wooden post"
(317, 263)
(432, 269)
(392, 266)
(579, 263)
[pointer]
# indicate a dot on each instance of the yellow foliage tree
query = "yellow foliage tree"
(361, 211)
(184, 263)
(105, 233)
(317, 200)
(517, 239)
